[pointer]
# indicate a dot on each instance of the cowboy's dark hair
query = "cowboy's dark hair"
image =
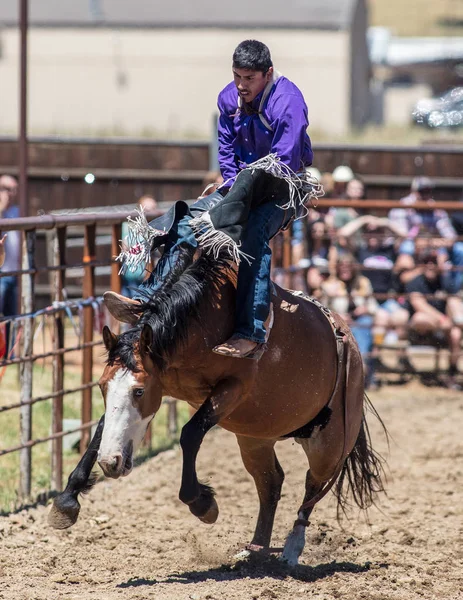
(252, 55)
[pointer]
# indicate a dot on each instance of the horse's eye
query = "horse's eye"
(138, 392)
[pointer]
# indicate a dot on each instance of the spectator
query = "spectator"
(311, 241)
(315, 277)
(318, 242)
(338, 217)
(376, 250)
(131, 279)
(327, 182)
(434, 314)
(355, 189)
(9, 209)
(435, 223)
(341, 177)
(350, 294)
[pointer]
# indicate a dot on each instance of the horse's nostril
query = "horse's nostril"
(112, 465)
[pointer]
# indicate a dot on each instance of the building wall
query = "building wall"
(159, 82)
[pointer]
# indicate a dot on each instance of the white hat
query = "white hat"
(343, 174)
(314, 172)
(422, 183)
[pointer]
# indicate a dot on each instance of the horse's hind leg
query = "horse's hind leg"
(324, 450)
(261, 462)
(295, 541)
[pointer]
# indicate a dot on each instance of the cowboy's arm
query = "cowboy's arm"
(289, 123)
(226, 138)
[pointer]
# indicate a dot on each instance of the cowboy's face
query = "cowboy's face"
(251, 83)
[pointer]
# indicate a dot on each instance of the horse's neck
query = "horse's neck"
(193, 366)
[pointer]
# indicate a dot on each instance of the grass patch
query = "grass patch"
(41, 427)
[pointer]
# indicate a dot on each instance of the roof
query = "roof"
(386, 49)
(296, 14)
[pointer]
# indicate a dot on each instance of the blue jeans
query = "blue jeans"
(253, 291)
(456, 257)
(361, 330)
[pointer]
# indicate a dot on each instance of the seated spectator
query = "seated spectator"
(130, 280)
(9, 209)
(340, 216)
(315, 277)
(435, 223)
(350, 294)
(311, 241)
(376, 250)
(341, 177)
(327, 182)
(435, 316)
(318, 241)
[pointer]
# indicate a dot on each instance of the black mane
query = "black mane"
(170, 311)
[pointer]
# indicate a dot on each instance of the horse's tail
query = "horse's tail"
(363, 468)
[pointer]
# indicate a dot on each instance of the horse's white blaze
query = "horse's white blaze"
(123, 422)
(295, 543)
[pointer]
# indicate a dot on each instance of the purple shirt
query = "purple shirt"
(243, 139)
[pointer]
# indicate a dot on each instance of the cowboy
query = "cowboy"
(262, 123)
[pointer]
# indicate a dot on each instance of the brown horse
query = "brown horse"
(308, 385)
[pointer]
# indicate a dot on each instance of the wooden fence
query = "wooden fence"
(125, 169)
(59, 306)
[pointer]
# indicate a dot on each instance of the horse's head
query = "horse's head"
(132, 396)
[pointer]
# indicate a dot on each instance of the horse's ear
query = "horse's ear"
(109, 338)
(146, 340)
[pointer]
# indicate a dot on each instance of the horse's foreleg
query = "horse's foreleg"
(66, 507)
(224, 398)
(261, 463)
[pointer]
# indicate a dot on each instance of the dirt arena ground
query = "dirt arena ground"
(135, 540)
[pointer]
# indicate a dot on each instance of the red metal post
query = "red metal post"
(23, 192)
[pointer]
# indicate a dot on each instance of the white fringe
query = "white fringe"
(138, 243)
(302, 187)
(215, 242)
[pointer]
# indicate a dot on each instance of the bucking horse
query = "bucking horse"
(308, 385)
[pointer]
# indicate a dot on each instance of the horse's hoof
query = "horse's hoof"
(211, 515)
(63, 513)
